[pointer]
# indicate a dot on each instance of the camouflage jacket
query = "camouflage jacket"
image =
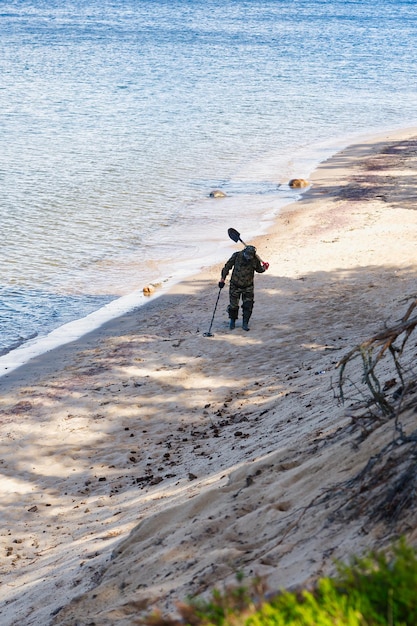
(243, 271)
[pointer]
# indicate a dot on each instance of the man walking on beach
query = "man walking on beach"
(244, 264)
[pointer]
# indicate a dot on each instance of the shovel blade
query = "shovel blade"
(234, 235)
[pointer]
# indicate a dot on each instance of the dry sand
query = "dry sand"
(146, 462)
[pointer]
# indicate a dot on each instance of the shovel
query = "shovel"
(235, 236)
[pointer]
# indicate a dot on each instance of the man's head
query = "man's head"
(249, 253)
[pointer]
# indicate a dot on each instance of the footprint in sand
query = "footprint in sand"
(283, 506)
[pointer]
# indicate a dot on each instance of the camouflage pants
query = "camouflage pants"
(247, 295)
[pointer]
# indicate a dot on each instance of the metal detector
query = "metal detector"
(208, 333)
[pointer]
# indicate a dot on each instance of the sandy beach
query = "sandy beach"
(146, 462)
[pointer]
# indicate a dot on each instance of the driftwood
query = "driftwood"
(392, 342)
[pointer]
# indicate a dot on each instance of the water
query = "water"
(117, 119)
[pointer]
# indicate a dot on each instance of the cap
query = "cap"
(249, 252)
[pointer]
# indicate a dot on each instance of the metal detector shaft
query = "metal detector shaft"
(208, 333)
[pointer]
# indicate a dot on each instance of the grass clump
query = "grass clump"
(389, 584)
(374, 590)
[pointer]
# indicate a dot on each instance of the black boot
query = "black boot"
(233, 315)
(247, 307)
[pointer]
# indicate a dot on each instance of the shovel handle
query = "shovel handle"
(235, 236)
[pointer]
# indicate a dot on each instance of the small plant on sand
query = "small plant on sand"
(234, 600)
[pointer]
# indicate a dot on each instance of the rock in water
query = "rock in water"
(298, 183)
(217, 193)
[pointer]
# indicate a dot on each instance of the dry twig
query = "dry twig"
(391, 341)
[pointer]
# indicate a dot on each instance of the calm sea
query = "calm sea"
(117, 119)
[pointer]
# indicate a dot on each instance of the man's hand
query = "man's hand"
(221, 284)
(265, 265)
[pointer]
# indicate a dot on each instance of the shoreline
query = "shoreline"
(206, 442)
(305, 163)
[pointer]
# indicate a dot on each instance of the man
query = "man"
(244, 264)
